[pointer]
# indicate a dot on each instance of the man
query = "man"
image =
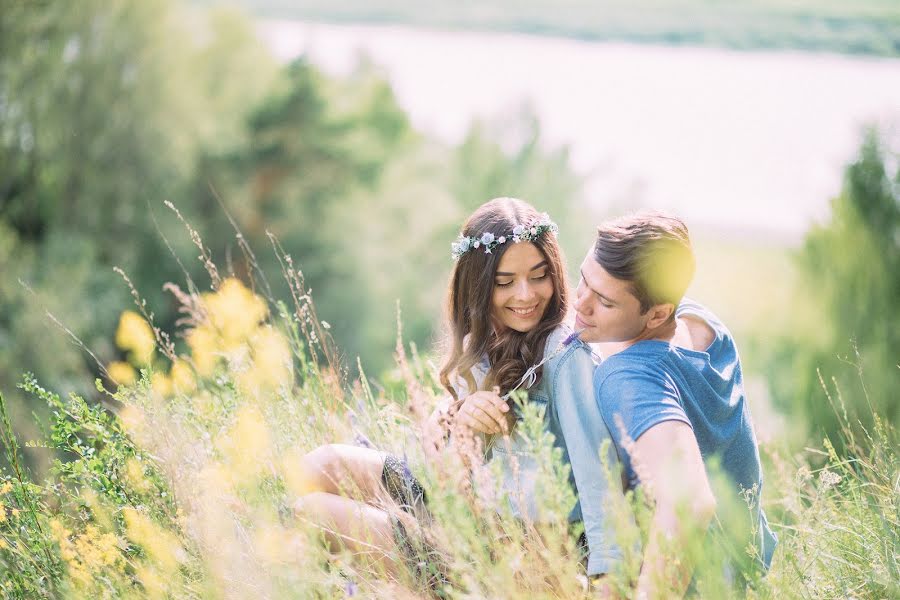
(670, 388)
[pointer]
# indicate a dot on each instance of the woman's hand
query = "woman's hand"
(484, 412)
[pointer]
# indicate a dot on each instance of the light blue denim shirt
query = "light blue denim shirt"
(574, 419)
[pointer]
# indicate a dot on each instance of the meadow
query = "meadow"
(181, 482)
(155, 407)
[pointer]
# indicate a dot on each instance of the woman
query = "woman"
(506, 304)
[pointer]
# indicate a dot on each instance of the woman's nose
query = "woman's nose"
(524, 291)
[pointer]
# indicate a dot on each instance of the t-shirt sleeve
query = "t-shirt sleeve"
(633, 400)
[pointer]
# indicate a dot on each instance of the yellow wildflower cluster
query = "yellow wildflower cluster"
(234, 328)
(180, 379)
(270, 364)
(121, 372)
(161, 547)
(86, 554)
(233, 316)
(135, 336)
(247, 446)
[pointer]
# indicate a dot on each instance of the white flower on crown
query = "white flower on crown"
(520, 233)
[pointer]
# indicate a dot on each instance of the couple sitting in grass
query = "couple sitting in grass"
(665, 400)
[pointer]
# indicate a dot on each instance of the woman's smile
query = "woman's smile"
(525, 313)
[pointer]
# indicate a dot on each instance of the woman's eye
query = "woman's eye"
(503, 283)
(539, 277)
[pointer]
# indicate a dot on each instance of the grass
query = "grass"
(180, 483)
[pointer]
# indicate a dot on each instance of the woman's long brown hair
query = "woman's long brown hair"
(471, 329)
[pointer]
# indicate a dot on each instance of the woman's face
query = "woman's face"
(523, 288)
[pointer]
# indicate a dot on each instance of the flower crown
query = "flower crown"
(520, 233)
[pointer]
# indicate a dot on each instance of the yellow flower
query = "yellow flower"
(202, 342)
(134, 475)
(131, 417)
(121, 372)
(234, 311)
(161, 384)
(246, 445)
(161, 546)
(135, 336)
(271, 365)
(6, 488)
(182, 377)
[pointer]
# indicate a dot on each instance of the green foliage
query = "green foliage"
(846, 327)
(109, 109)
(190, 495)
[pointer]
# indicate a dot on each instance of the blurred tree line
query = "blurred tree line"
(845, 328)
(110, 108)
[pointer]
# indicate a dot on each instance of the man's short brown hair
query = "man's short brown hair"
(650, 250)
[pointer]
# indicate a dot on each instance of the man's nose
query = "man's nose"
(580, 298)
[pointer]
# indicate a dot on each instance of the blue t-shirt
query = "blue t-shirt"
(652, 381)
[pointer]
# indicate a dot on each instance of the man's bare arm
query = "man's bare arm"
(672, 472)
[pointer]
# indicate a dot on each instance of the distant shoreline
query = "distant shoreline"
(869, 29)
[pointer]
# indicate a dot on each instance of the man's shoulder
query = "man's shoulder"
(689, 308)
(626, 368)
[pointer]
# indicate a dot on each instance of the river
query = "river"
(740, 141)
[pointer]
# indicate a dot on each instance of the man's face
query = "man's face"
(605, 308)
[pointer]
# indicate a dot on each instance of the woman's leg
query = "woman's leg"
(366, 531)
(344, 470)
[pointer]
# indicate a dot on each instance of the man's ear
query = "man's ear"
(659, 314)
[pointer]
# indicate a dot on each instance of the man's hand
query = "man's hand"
(484, 412)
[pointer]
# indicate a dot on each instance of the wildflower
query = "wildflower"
(135, 335)
(6, 487)
(247, 446)
(161, 546)
(829, 478)
(234, 311)
(202, 342)
(134, 475)
(161, 384)
(131, 417)
(121, 372)
(182, 377)
(270, 366)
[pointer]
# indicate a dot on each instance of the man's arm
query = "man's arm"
(667, 459)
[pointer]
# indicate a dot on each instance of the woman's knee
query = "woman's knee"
(324, 469)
